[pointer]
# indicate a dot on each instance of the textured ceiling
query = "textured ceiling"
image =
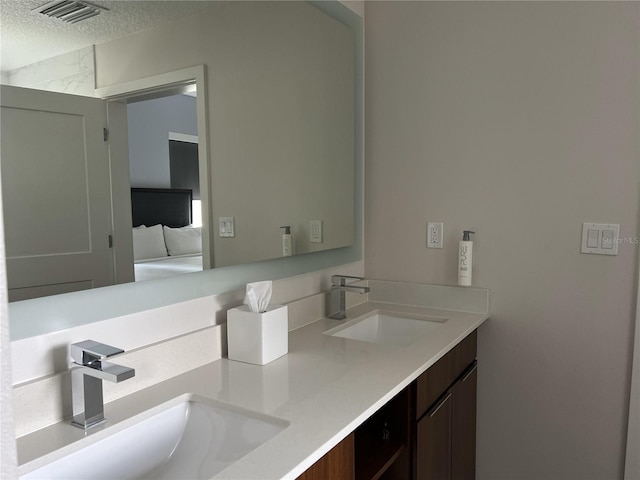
(27, 37)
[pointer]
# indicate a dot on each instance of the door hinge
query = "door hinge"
(105, 134)
(110, 241)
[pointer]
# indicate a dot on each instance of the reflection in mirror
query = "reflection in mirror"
(54, 313)
(165, 181)
(56, 193)
(281, 82)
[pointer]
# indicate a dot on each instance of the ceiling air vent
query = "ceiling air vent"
(70, 11)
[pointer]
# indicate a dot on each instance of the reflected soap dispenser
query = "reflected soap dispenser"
(287, 244)
(465, 259)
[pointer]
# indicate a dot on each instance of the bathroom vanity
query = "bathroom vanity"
(427, 431)
(348, 407)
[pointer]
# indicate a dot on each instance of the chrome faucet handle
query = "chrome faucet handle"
(341, 280)
(88, 352)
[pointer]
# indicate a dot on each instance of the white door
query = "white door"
(56, 192)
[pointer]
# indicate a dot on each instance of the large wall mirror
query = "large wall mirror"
(284, 133)
(280, 114)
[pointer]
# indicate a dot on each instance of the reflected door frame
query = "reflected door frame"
(155, 86)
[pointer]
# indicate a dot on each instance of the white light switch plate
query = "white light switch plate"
(227, 227)
(600, 238)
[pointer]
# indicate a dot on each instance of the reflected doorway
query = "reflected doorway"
(164, 165)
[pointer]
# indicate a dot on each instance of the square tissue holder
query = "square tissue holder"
(257, 338)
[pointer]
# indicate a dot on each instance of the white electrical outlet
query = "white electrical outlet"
(435, 235)
(315, 231)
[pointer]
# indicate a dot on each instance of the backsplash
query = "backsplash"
(48, 354)
(465, 299)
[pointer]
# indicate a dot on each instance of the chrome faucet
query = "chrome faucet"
(339, 288)
(87, 374)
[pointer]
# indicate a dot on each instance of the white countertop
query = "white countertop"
(325, 387)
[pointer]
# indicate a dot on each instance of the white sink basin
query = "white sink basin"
(387, 328)
(193, 439)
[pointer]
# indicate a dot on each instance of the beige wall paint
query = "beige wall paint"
(280, 78)
(518, 120)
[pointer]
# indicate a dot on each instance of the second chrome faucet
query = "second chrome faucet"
(339, 288)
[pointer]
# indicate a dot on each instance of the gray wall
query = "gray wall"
(149, 124)
(518, 120)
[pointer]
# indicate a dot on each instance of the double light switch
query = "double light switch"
(227, 227)
(600, 238)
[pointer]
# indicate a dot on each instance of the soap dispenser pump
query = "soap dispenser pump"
(465, 252)
(287, 246)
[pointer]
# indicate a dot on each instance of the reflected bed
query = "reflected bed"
(167, 266)
(164, 242)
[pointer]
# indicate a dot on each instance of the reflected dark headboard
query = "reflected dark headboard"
(166, 206)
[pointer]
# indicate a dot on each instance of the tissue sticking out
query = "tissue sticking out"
(258, 296)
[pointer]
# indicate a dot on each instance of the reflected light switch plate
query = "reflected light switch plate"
(315, 231)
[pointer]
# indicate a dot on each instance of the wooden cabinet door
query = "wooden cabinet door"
(433, 449)
(337, 464)
(463, 426)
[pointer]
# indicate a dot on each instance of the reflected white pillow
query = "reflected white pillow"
(148, 243)
(183, 241)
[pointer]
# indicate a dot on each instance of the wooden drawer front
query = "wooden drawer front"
(464, 354)
(432, 383)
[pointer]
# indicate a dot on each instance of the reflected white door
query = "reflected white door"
(56, 192)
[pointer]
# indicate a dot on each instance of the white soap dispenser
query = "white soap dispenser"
(287, 245)
(465, 252)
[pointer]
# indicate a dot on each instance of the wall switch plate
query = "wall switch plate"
(435, 235)
(227, 227)
(600, 238)
(315, 231)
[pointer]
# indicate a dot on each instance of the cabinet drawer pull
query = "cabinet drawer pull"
(440, 404)
(471, 370)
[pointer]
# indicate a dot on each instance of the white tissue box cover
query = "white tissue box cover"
(257, 338)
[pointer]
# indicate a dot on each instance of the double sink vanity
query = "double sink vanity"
(388, 392)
